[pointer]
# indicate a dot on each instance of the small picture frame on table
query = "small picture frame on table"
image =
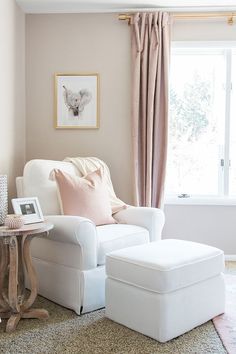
(29, 208)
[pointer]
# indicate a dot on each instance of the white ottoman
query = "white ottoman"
(165, 288)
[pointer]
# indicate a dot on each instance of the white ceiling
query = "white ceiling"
(77, 6)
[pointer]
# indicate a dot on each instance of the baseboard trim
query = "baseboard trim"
(230, 257)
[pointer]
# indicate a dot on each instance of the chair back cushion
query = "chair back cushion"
(86, 196)
(36, 183)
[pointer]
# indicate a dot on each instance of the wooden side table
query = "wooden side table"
(14, 256)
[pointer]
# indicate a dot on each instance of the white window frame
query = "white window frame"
(223, 198)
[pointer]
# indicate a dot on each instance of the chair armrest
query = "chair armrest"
(152, 219)
(78, 231)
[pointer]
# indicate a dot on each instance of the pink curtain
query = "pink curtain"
(150, 38)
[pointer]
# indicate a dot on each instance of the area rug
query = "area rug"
(226, 323)
(65, 332)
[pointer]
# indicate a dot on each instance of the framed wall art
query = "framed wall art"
(77, 101)
(29, 208)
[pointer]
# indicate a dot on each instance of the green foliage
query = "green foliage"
(189, 111)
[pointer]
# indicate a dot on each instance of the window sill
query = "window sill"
(200, 201)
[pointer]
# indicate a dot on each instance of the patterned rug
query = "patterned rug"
(226, 323)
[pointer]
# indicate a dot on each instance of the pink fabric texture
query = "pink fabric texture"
(87, 196)
(150, 48)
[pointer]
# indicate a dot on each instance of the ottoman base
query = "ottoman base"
(168, 315)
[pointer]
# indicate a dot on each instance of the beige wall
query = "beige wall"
(78, 43)
(12, 91)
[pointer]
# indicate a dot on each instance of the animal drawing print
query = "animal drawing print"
(76, 101)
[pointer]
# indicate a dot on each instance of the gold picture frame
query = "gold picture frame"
(76, 101)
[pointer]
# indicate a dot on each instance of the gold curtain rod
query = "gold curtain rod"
(181, 16)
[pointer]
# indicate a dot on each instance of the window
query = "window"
(202, 124)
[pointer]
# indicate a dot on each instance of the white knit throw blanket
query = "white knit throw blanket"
(86, 165)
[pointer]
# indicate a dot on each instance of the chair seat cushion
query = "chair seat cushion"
(115, 237)
(166, 265)
(110, 237)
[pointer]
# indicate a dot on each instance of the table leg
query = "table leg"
(3, 274)
(14, 252)
(35, 313)
(13, 275)
(13, 286)
(26, 311)
(13, 322)
(31, 274)
(21, 277)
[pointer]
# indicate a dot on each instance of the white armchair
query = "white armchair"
(70, 261)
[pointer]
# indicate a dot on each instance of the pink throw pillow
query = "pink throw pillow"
(85, 196)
